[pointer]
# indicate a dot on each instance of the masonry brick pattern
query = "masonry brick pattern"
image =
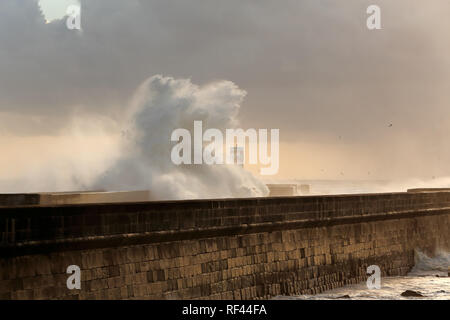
(216, 249)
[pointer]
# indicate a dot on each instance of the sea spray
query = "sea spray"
(161, 105)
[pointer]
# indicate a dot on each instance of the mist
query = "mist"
(351, 104)
(137, 156)
(161, 105)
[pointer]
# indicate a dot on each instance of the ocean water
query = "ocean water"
(428, 277)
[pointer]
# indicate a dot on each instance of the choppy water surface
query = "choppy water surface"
(429, 277)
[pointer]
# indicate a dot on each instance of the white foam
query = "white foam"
(437, 265)
(429, 277)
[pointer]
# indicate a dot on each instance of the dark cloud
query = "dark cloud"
(311, 68)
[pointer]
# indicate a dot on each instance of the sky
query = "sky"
(350, 103)
(55, 9)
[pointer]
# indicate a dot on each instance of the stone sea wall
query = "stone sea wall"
(216, 249)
